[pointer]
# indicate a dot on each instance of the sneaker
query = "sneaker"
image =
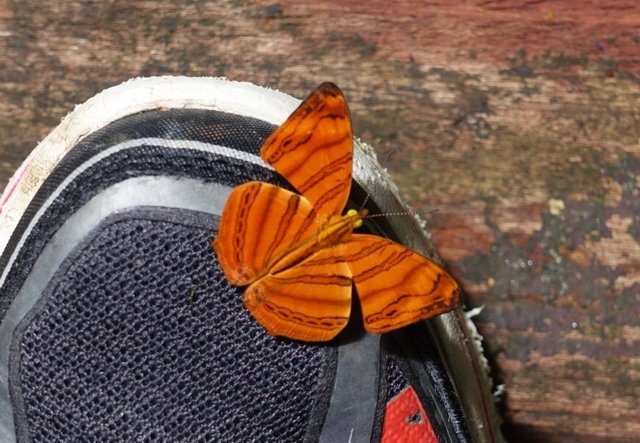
(117, 324)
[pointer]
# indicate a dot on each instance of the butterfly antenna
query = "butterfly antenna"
(364, 203)
(404, 213)
(388, 157)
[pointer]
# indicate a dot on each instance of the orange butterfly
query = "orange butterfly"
(299, 255)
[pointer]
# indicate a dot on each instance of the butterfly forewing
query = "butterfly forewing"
(260, 223)
(313, 149)
(395, 285)
(310, 301)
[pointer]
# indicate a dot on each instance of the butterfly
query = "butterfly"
(298, 254)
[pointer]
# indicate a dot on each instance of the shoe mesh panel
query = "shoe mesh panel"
(396, 380)
(121, 349)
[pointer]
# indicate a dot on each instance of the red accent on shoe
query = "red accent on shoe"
(405, 420)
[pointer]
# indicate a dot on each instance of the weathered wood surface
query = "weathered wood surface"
(519, 121)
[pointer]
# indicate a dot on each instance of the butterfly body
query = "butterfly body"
(298, 254)
(333, 233)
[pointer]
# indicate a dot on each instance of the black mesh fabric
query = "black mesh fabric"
(141, 338)
(396, 380)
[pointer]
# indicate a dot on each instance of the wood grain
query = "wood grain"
(518, 121)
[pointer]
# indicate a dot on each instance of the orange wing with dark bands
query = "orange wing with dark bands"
(260, 223)
(313, 150)
(395, 285)
(298, 254)
(310, 301)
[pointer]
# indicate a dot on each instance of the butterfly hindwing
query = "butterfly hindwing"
(313, 149)
(395, 285)
(310, 301)
(260, 223)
